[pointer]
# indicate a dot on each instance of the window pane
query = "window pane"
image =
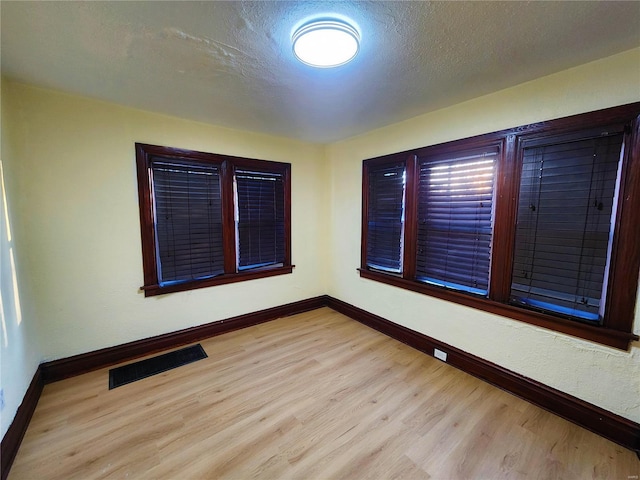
(188, 220)
(260, 219)
(385, 217)
(567, 193)
(455, 204)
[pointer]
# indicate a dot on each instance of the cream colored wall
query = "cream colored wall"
(603, 376)
(79, 222)
(20, 351)
(73, 200)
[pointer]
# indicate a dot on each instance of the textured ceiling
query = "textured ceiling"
(231, 64)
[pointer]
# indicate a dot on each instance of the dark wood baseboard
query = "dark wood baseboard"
(13, 437)
(49, 372)
(607, 424)
(86, 362)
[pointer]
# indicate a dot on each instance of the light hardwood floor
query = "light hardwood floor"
(312, 396)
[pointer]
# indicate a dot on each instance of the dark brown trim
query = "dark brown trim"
(607, 424)
(625, 257)
(412, 179)
(228, 219)
(86, 362)
(13, 437)
(603, 335)
(287, 216)
(151, 290)
(505, 218)
(145, 202)
(616, 329)
(364, 216)
(227, 164)
(400, 158)
(606, 116)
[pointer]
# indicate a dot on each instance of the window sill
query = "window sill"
(152, 290)
(602, 335)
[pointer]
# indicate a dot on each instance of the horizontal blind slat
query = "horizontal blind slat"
(455, 202)
(563, 224)
(385, 217)
(260, 220)
(188, 211)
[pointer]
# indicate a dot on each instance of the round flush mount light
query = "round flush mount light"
(326, 43)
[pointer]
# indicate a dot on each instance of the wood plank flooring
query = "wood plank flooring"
(312, 396)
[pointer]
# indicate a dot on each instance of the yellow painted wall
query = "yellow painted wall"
(74, 203)
(604, 376)
(20, 351)
(79, 220)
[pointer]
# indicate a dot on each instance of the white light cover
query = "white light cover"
(326, 43)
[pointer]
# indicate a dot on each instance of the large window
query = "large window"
(455, 206)
(539, 223)
(385, 217)
(210, 219)
(564, 224)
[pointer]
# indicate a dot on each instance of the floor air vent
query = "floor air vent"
(152, 366)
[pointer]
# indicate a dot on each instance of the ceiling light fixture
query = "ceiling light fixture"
(326, 43)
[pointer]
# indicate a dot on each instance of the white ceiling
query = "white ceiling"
(231, 63)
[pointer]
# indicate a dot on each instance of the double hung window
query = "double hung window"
(385, 217)
(260, 219)
(455, 206)
(565, 223)
(539, 223)
(187, 204)
(209, 219)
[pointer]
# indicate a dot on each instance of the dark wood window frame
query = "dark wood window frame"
(227, 165)
(617, 326)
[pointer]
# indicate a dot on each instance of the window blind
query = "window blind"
(567, 193)
(455, 203)
(188, 220)
(260, 219)
(385, 216)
